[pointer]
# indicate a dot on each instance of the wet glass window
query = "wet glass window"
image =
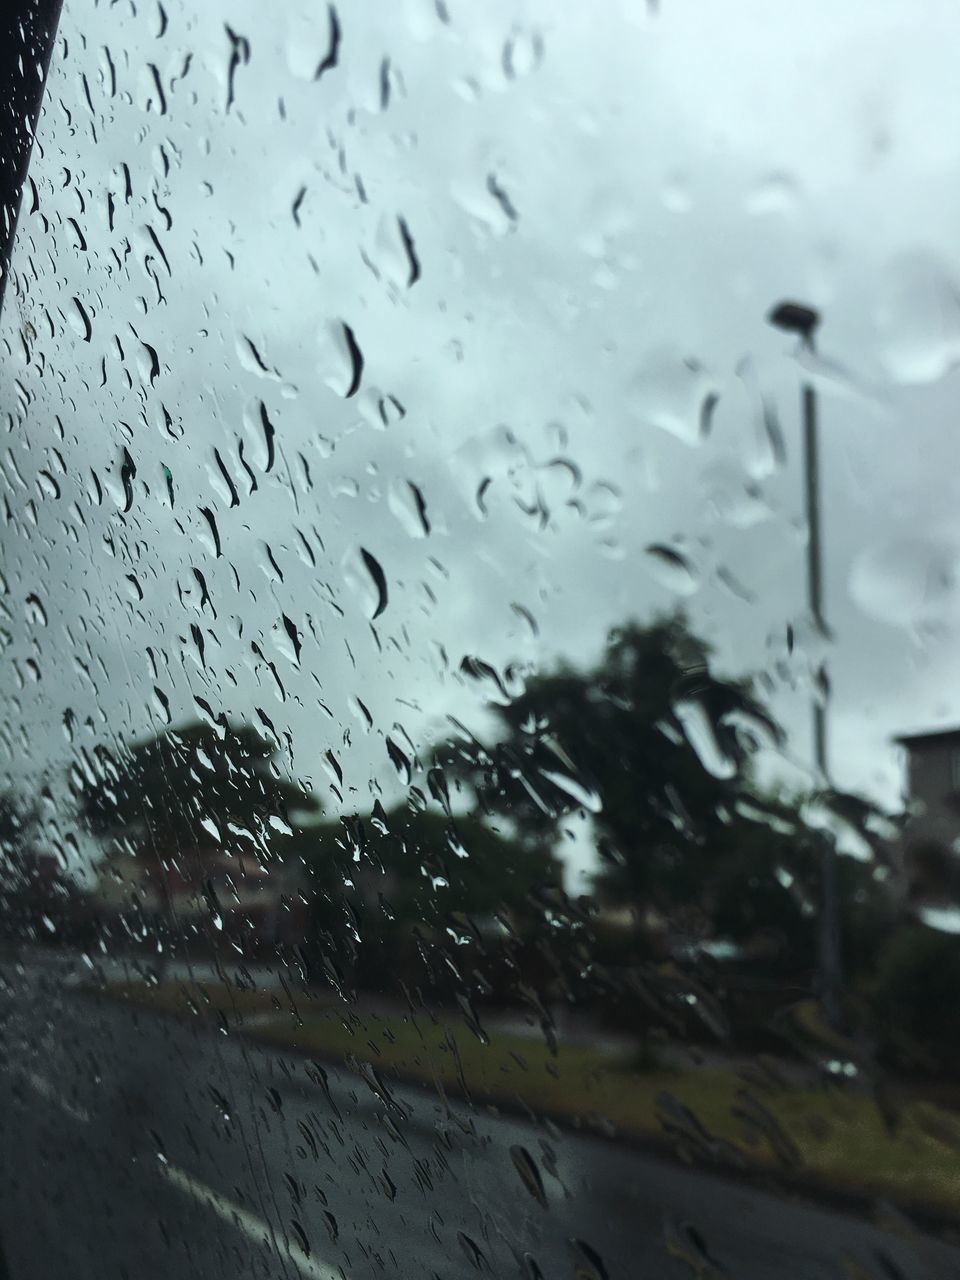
(479, 605)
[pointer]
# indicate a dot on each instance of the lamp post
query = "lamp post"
(794, 317)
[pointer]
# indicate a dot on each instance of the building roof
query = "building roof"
(931, 737)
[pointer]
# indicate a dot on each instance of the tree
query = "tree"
(169, 808)
(914, 995)
(650, 739)
(766, 885)
(17, 820)
(422, 866)
(39, 901)
(17, 824)
(392, 889)
(187, 789)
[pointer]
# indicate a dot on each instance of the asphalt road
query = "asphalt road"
(133, 1146)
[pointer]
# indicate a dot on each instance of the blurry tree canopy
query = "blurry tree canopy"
(422, 866)
(18, 825)
(769, 882)
(17, 821)
(404, 898)
(37, 898)
(651, 740)
(914, 993)
(189, 788)
(933, 873)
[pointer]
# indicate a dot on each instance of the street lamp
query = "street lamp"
(795, 317)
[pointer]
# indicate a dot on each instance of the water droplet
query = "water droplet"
(47, 484)
(400, 762)
(331, 58)
(731, 499)
(774, 193)
(911, 582)
(675, 393)
(497, 190)
(490, 204)
(364, 573)
(475, 1255)
(524, 613)
(148, 364)
(341, 360)
(578, 790)
(269, 432)
(699, 732)
(407, 503)
(671, 569)
(526, 1167)
(919, 319)
(214, 531)
(251, 360)
(362, 713)
(602, 503)
(522, 54)
(79, 319)
(239, 56)
(676, 194)
(300, 1236)
(590, 1265)
(220, 479)
(944, 919)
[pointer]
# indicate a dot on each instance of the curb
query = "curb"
(867, 1205)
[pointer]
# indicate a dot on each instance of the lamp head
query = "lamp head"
(794, 317)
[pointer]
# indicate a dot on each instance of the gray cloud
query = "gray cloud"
(600, 212)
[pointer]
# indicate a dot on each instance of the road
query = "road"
(137, 1147)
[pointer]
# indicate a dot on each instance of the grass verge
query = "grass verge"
(836, 1137)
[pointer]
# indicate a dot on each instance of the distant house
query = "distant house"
(235, 894)
(40, 901)
(933, 784)
(931, 835)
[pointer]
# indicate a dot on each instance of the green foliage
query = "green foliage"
(766, 885)
(769, 883)
(615, 739)
(422, 867)
(18, 818)
(869, 914)
(916, 994)
(188, 788)
(933, 870)
(38, 901)
(401, 899)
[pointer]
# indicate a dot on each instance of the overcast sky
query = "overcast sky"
(553, 233)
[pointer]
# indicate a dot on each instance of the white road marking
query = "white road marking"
(40, 1084)
(247, 1222)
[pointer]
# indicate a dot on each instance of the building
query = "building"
(931, 833)
(933, 784)
(236, 894)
